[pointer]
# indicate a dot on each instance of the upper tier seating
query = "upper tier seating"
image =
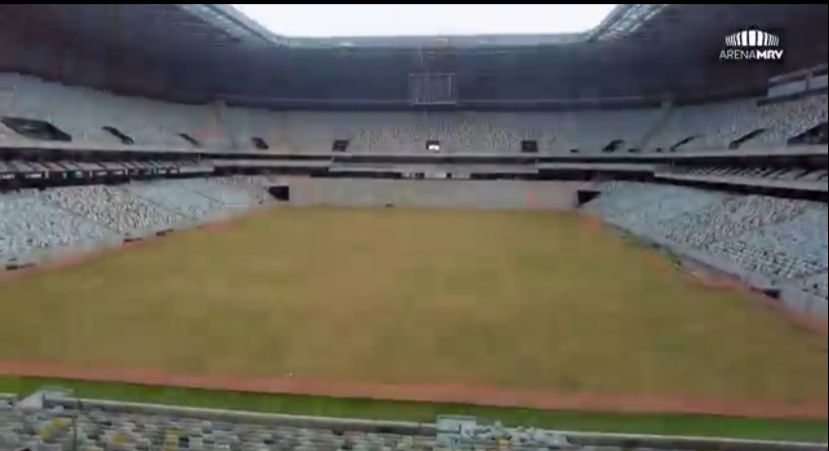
(76, 116)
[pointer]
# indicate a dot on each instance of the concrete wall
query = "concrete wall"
(507, 194)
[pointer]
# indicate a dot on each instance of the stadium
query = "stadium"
(218, 237)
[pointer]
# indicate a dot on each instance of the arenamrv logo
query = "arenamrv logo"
(755, 45)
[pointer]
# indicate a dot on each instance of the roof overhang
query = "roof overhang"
(625, 19)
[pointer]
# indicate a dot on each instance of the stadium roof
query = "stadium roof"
(196, 52)
(196, 27)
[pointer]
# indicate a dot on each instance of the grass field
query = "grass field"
(667, 424)
(515, 299)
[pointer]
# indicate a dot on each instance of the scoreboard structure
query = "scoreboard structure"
(432, 89)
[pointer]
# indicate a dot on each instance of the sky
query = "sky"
(418, 20)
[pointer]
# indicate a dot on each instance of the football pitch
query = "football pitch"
(513, 299)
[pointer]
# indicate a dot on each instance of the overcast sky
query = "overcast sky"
(399, 20)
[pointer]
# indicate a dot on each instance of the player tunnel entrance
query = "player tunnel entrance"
(282, 193)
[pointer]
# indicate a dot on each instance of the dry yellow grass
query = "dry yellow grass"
(516, 299)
